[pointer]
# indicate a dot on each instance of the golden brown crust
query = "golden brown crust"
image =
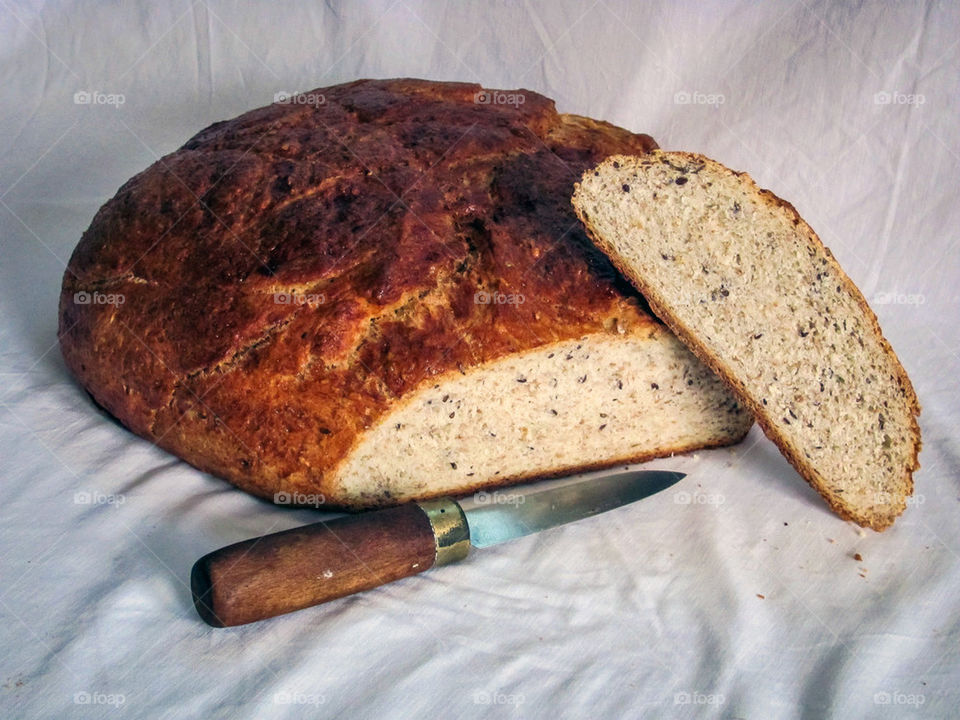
(389, 204)
(689, 337)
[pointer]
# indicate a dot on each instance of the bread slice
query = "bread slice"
(748, 286)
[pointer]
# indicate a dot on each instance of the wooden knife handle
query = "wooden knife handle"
(275, 574)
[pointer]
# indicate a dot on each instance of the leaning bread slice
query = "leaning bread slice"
(748, 286)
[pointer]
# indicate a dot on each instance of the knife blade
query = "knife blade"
(497, 517)
(294, 569)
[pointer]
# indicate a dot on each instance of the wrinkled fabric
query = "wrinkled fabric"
(735, 594)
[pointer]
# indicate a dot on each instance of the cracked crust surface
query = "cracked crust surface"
(378, 214)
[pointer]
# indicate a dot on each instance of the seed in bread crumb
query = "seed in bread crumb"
(762, 597)
(858, 557)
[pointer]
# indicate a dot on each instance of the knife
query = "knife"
(294, 569)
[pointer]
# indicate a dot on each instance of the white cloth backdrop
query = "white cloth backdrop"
(746, 602)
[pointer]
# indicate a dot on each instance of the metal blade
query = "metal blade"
(497, 516)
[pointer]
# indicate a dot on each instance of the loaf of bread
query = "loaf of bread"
(378, 292)
(749, 287)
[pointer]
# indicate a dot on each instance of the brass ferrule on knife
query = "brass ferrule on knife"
(450, 530)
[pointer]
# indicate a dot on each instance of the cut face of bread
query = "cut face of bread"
(749, 287)
(591, 402)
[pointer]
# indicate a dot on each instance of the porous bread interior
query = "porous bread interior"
(571, 405)
(748, 285)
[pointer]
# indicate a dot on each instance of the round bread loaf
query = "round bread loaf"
(378, 292)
